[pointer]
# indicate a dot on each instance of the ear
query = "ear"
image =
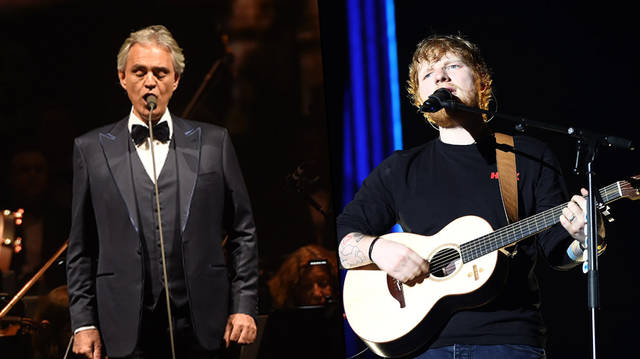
(176, 81)
(123, 81)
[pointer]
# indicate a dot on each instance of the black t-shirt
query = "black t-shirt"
(425, 188)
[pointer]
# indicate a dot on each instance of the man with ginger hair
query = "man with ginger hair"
(427, 187)
(117, 296)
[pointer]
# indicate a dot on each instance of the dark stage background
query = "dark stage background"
(58, 80)
(562, 63)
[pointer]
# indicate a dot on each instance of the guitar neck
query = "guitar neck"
(525, 228)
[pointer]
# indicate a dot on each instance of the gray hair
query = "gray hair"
(152, 34)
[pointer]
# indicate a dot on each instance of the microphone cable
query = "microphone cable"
(151, 105)
(66, 353)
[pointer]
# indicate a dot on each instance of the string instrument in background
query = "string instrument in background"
(46, 334)
(395, 319)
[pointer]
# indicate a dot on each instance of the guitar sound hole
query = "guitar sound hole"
(445, 262)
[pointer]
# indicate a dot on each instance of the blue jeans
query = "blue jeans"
(510, 351)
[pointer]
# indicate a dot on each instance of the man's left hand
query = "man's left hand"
(240, 328)
(573, 216)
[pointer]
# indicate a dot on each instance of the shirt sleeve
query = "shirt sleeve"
(84, 328)
(373, 209)
(550, 191)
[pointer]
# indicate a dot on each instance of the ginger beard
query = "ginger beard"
(445, 118)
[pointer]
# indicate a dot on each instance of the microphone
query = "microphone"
(152, 102)
(439, 99)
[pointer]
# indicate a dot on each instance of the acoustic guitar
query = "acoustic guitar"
(395, 319)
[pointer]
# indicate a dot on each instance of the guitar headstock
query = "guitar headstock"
(631, 187)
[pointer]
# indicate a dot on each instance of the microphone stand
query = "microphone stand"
(299, 181)
(592, 141)
(151, 106)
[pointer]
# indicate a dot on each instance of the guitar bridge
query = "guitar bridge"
(395, 289)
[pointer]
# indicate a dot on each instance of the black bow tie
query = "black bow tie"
(140, 133)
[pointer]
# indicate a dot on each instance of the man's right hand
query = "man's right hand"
(399, 261)
(87, 342)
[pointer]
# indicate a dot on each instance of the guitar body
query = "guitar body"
(395, 319)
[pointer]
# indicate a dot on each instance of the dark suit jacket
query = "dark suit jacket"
(105, 270)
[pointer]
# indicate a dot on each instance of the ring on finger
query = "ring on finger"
(572, 218)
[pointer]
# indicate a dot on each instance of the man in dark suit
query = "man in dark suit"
(115, 274)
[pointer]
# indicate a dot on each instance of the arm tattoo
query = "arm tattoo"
(350, 254)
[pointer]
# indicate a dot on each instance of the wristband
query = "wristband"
(371, 246)
(572, 252)
(576, 251)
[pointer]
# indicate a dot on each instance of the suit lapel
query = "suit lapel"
(116, 150)
(188, 145)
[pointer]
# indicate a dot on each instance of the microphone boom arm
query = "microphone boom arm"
(522, 123)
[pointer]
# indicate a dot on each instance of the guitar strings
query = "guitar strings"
(480, 246)
(549, 217)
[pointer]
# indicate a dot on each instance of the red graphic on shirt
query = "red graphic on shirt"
(495, 175)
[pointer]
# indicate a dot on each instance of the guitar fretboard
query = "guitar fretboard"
(525, 228)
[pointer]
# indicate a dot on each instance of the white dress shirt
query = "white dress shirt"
(160, 149)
